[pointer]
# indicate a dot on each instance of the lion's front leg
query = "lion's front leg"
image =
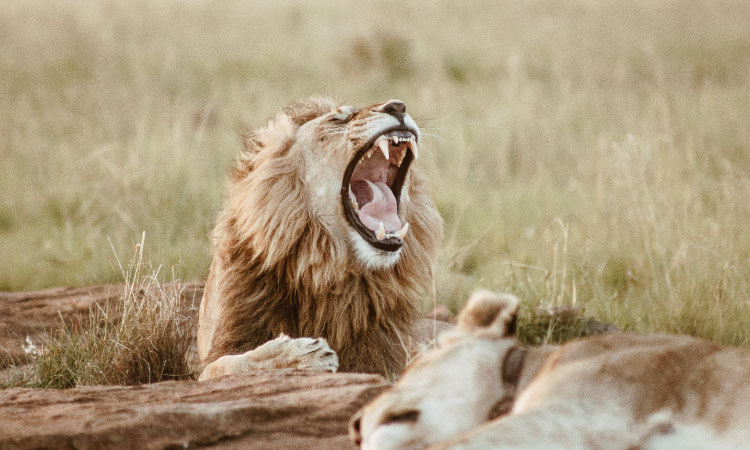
(280, 353)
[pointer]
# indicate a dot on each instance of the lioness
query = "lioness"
(328, 232)
(617, 391)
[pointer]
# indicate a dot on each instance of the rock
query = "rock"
(574, 316)
(35, 313)
(559, 324)
(266, 410)
(269, 410)
(441, 313)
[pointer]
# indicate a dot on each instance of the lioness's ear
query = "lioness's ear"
(489, 312)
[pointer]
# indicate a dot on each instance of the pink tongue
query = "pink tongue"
(382, 208)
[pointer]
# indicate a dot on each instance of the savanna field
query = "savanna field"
(583, 153)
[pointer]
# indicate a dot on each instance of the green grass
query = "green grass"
(141, 338)
(583, 153)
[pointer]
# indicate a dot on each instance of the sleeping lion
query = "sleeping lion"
(481, 390)
(328, 237)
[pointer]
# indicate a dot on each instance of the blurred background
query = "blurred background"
(582, 152)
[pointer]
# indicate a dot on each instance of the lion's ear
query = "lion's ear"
(252, 142)
(489, 312)
(303, 111)
(281, 129)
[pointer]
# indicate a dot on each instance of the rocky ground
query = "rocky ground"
(270, 410)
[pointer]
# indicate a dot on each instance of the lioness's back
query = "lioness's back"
(691, 377)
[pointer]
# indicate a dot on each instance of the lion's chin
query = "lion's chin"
(370, 257)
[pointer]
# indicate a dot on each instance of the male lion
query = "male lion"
(618, 391)
(326, 232)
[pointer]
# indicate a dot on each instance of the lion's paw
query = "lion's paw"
(280, 353)
(303, 354)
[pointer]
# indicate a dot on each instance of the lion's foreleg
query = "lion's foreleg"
(280, 353)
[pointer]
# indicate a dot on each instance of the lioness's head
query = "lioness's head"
(353, 169)
(469, 379)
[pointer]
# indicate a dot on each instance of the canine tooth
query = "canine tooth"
(353, 199)
(402, 232)
(414, 149)
(380, 234)
(383, 146)
(369, 154)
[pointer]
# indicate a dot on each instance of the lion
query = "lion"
(480, 389)
(327, 232)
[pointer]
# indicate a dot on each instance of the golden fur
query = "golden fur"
(284, 260)
(616, 391)
(281, 353)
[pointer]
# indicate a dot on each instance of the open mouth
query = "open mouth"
(372, 184)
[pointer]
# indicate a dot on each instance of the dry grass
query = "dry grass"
(144, 338)
(583, 153)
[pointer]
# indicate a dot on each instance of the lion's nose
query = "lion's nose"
(396, 108)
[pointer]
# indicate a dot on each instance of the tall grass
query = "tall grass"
(582, 153)
(142, 338)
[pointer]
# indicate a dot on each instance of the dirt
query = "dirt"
(266, 410)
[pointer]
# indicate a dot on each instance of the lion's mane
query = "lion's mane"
(277, 269)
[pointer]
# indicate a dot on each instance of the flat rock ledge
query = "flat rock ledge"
(267, 410)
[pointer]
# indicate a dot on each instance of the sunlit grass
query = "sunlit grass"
(142, 338)
(581, 152)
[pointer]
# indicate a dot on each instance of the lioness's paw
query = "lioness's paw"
(280, 353)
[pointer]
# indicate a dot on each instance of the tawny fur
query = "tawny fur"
(280, 266)
(617, 391)
(281, 353)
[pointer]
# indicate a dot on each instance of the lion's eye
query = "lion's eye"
(344, 114)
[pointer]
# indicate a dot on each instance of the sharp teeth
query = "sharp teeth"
(402, 232)
(383, 146)
(369, 154)
(414, 149)
(380, 234)
(353, 199)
